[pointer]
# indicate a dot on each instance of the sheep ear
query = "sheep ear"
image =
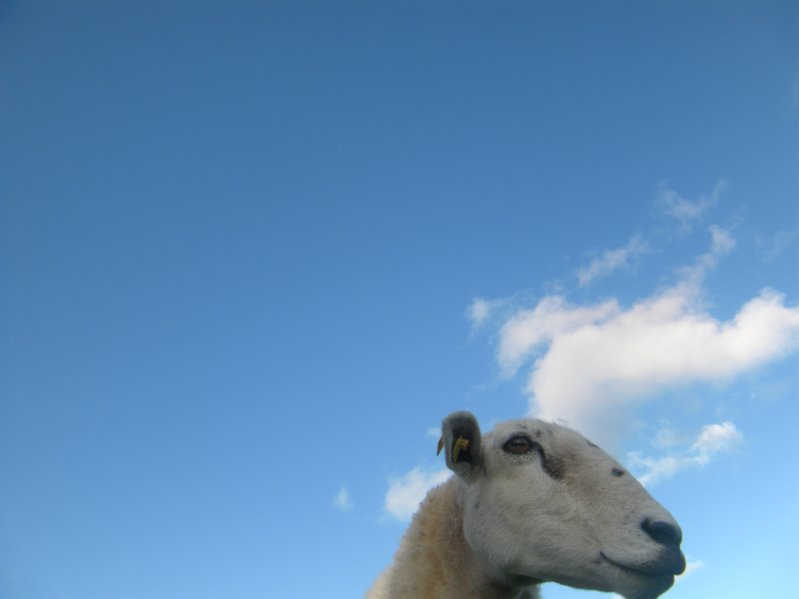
(460, 436)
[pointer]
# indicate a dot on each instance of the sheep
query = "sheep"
(531, 502)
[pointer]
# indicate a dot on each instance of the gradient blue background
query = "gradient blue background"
(238, 240)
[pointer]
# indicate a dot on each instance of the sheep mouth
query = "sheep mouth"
(650, 581)
(670, 563)
(648, 584)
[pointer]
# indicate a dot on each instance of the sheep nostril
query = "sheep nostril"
(665, 533)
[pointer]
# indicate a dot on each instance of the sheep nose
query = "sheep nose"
(665, 533)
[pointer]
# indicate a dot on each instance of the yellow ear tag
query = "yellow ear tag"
(461, 443)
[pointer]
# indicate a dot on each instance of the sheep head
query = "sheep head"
(542, 503)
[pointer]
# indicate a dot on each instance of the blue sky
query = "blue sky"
(253, 252)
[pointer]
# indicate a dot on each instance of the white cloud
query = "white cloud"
(692, 567)
(597, 357)
(684, 210)
(434, 432)
(406, 492)
(481, 310)
(478, 311)
(715, 438)
(342, 500)
(712, 440)
(528, 329)
(654, 470)
(611, 260)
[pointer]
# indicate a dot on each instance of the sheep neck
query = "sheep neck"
(435, 561)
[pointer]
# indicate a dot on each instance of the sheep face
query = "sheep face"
(541, 503)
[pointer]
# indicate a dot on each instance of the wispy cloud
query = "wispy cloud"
(593, 358)
(692, 566)
(721, 244)
(773, 247)
(713, 439)
(666, 438)
(342, 500)
(406, 492)
(481, 310)
(611, 260)
(478, 311)
(687, 212)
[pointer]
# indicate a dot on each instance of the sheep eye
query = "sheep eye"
(518, 445)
